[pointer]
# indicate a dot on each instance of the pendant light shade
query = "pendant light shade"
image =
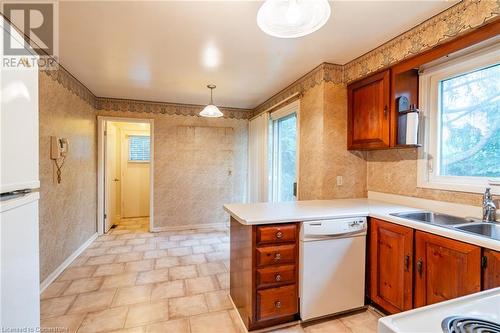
(292, 18)
(211, 110)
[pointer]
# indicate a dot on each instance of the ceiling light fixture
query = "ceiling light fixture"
(292, 18)
(211, 110)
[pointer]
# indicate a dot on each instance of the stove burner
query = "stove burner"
(456, 324)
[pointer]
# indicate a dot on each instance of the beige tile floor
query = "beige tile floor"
(132, 281)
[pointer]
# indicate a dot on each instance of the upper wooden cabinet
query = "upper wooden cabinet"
(391, 268)
(444, 269)
(491, 269)
(368, 125)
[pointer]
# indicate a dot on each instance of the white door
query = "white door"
(111, 176)
(135, 174)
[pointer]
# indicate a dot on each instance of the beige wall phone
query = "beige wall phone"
(58, 151)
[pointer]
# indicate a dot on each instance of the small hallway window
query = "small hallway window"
(138, 148)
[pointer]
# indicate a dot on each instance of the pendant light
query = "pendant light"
(211, 110)
(292, 18)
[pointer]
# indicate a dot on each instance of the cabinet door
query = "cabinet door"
(391, 253)
(368, 113)
(491, 272)
(445, 269)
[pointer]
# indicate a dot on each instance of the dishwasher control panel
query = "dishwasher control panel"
(334, 227)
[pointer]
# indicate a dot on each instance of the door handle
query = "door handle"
(407, 263)
(420, 266)
(116, 180)
(385, 111)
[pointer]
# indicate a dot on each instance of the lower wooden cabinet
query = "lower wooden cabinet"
(445, 269)
(391, 261)
(491, 269)
(410, 268)
(264, 273)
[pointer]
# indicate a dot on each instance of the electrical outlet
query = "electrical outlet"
(340, 180)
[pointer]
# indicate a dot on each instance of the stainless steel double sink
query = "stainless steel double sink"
(468, 225)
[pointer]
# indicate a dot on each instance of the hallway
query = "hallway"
(132, 281)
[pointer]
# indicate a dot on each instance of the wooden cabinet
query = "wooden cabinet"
(411, 268)
(264, 273)
(368, 124)
(445, 269)
(491, 269)
(391, 257)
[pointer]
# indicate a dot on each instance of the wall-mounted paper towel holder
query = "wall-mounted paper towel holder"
(408, 117)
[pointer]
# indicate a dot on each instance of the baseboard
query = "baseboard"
(54, 275)
(191, 227)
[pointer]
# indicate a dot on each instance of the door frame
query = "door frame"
(101, 122)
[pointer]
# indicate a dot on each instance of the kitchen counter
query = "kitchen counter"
(299, 211)
(483, 305)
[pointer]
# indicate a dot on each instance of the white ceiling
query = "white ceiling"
(154, 50)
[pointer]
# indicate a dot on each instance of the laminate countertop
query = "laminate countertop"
(310, 210)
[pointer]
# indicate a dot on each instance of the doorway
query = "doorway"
(125, 174)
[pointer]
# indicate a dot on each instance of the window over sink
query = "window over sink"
(460, 102)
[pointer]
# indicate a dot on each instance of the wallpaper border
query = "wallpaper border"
(128, 105)
(326, 72)
(463, 17)
(447, 25)
(71, 83)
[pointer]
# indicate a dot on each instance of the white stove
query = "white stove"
(470, 313)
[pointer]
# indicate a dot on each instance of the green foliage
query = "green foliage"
(470, 124)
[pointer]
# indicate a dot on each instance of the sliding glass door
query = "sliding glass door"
(283, 156)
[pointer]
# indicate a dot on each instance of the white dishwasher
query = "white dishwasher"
(332, 266)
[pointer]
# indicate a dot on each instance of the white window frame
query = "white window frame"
(128, 149)
(285, 111)
(427, 165)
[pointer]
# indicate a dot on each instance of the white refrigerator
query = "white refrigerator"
(19, 183)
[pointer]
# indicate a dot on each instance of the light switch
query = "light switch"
(340, 180)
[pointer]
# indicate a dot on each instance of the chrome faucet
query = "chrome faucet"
(489, 208)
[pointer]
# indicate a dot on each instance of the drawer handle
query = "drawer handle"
(277, 277)
(279, 235)
(277, 304)
(277, 257)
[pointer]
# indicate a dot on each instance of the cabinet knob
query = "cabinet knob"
(279, 235)
(385, 111)
(277, 304)
(277, 256)
(277, 277)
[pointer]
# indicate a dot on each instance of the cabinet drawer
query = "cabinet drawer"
(276, 302)
(276, 255)
(276, 233)
(275, 275)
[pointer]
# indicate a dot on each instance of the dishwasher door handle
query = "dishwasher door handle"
(336, 235)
